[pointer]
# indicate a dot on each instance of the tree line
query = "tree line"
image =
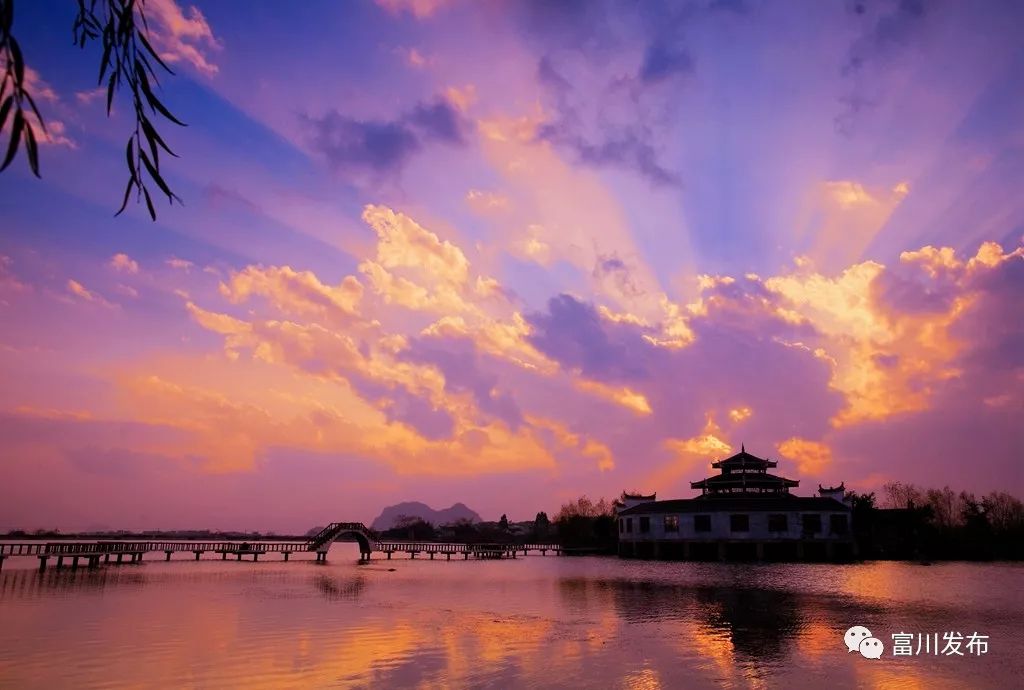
(580, 524)
(916, 522)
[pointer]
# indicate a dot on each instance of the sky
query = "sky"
(511, 253)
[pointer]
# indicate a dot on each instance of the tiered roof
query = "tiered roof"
(744, 474)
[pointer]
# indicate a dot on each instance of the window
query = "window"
(701, 523)
(838, 524)
(812, 523)
(777, 522)
(739, 523)
(622, 525)
(629, 525)
(645, 525)
(671, 523)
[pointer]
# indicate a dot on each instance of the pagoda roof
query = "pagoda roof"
(780, 503)
(721, 481)
(743, 459)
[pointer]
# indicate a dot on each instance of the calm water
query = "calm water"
(532, 622)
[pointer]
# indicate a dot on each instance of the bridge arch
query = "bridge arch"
(323, 540)
(365, 545)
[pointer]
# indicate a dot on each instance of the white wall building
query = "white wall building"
(743, 512)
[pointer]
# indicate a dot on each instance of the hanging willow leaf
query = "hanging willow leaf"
(12, 146)
(149, 204)
(110, 91)
(35, 110)
(32, 149)
(127, 193)
(17, 59)
(105, 60)
(149, 49)
(151, 98)
(130, 155)
(152, 135)
(127, 58)
(5, 110)
(155, 174)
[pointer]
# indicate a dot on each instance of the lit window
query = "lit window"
(671, 523)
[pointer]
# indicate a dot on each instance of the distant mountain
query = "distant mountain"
(390, 515)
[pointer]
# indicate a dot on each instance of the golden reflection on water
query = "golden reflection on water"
(534, 623)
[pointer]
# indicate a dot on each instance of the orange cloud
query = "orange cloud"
(123, 263)
(738, 414)
(80, 291)
(298, 293)
(811, 457)
(621, 395)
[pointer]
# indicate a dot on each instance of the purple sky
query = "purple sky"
(509, 253)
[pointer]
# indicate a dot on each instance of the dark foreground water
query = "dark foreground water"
(532, 622)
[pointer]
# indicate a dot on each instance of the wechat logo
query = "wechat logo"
(859, 639)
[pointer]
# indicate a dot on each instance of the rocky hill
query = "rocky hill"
(391, 514)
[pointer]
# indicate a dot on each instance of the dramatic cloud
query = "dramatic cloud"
(182, 35)
(521, 252)
(381, 148)
(590, 130)
(297, 293)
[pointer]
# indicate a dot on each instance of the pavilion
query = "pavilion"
(743, 512)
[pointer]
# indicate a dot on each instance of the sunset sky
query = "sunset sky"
(509, 253)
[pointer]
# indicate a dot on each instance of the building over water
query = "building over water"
(744, 512)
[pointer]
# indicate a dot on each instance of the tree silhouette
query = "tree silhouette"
(541, 525)
(126, 62)
(503, 523)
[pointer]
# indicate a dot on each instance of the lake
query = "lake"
(551, 621)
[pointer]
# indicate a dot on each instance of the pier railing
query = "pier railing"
(93, 551)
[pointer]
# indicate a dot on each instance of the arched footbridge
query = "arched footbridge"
(92, 553)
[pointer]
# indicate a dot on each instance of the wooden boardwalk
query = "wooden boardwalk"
(107, 551)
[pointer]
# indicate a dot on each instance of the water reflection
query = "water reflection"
(334, 589)
(533, 623)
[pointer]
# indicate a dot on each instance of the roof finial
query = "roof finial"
(743, 448)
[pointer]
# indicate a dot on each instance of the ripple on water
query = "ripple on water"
(534, 622)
